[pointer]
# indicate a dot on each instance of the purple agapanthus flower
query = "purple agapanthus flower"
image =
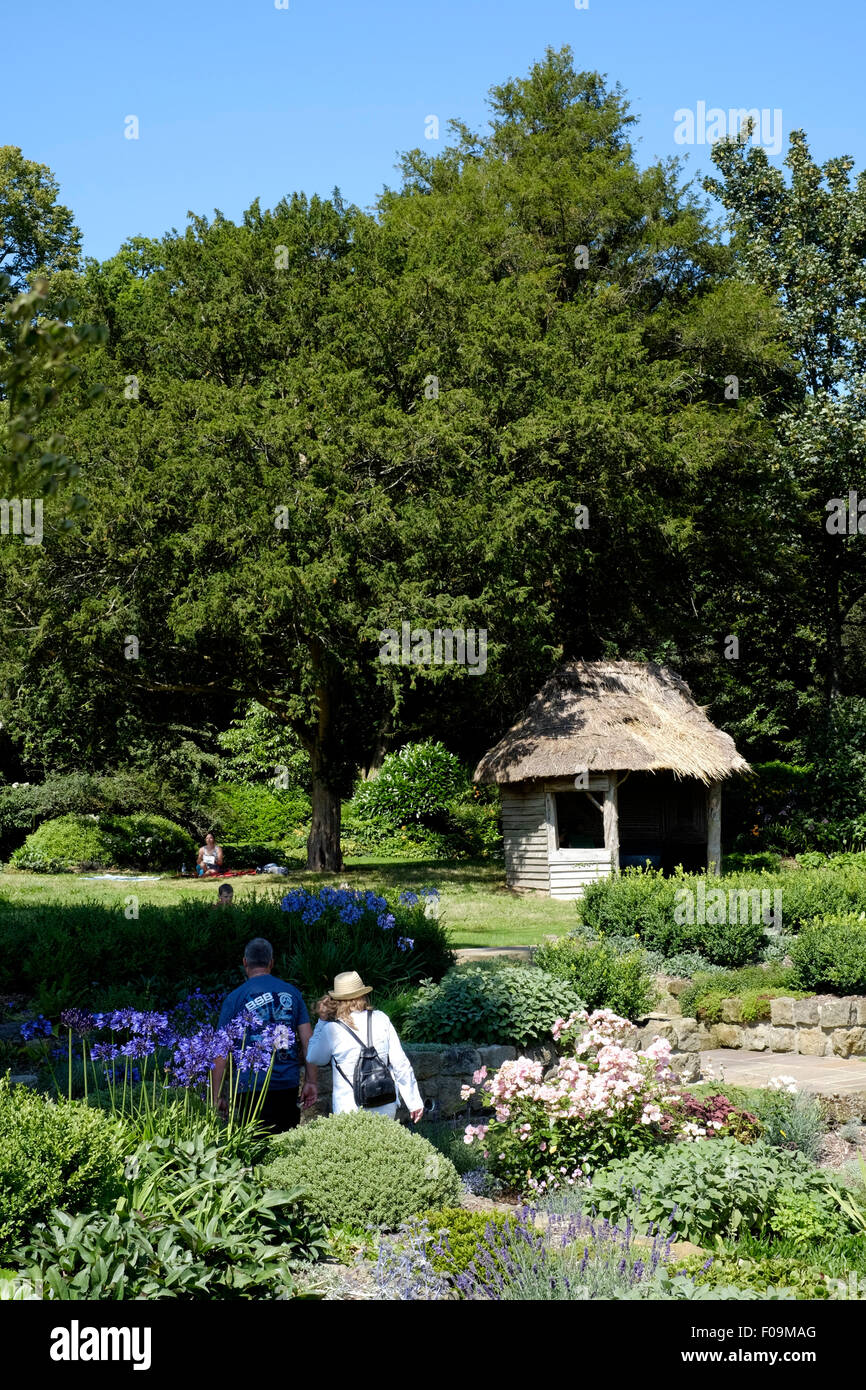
(78, 1021)
(405, 943)
(36, 1028)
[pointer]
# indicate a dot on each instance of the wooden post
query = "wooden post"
(714, 828)
(611, 823)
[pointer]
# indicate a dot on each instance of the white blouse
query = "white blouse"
(331, 1043)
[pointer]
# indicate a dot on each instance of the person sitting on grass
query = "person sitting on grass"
(269, 1000)
(210, 856)
(348, 1021)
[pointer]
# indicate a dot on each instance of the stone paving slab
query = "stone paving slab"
(466, 953)
(828, 1076)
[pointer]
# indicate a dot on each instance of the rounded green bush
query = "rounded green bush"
(103, 842)
(52, 1154)
(604, 978)
(417, 784)
(362, 1170)
(510, 1004)
(830, 954)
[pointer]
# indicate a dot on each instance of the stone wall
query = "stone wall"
(824, 1026)
(442, 1071)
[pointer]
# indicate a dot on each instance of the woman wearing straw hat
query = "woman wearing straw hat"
(348, 1023)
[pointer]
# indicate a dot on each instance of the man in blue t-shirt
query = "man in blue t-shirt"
(269, 1000)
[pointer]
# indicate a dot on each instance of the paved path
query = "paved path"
(829, 1076)
(466, 953)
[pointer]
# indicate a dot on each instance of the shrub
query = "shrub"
(63, 953)
(717, 1117)
(601, 1100)
(457, 1234)
(791, 1119)
(830, 954)
(514, 1004)
(253, 812)
(52, 1154)
(643, 903)
(417, 784)
(102, 842)
(753, 988)
(697, 1191)
(361, 1169)
(25, 806)
(601, 977)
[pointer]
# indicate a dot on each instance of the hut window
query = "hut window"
(579, 824)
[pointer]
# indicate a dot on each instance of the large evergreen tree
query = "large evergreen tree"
(320, 424)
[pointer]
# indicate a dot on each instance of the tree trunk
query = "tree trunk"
(323, 843)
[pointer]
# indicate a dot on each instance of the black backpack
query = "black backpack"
(372, 1083)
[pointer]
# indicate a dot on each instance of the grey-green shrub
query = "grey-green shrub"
(791, 1120)
(830, 954)
(362, 1170)
(513, 1004)
(53, 1154)
(602, 977)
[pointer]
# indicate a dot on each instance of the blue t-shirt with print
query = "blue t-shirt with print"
(269, 1000)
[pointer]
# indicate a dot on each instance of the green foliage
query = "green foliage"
(601, 977)
(791, 1120)
(697, 1191)
(830, 955)
(52, 1154)
(750, 863)
(806, 1281)
(457, 1235)
(447, 1137)
(255, 812)
(360, 1169)
(752, 987)
(643, 903)
(258, 747)
(800, 1218)
(416, 784)
(76, 950)
(102, 842)
(513, 1004)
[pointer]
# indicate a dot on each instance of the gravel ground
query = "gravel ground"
(836, 1151)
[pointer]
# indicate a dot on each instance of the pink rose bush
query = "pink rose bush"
(602, 1101)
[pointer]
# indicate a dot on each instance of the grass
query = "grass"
(479, 909)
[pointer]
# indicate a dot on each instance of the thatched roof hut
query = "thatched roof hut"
(591, 727)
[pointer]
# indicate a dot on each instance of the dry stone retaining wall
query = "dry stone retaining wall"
(824, 1026)
(441, 1072)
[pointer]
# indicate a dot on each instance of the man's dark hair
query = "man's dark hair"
(258, 951)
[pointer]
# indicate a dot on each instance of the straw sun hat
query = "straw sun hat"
(349, 985)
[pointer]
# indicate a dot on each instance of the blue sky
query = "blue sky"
(237, 99)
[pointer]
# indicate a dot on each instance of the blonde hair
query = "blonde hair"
(343, 1008)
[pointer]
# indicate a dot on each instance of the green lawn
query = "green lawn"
(479, 909)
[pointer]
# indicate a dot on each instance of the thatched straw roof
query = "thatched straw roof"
(607, 716)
